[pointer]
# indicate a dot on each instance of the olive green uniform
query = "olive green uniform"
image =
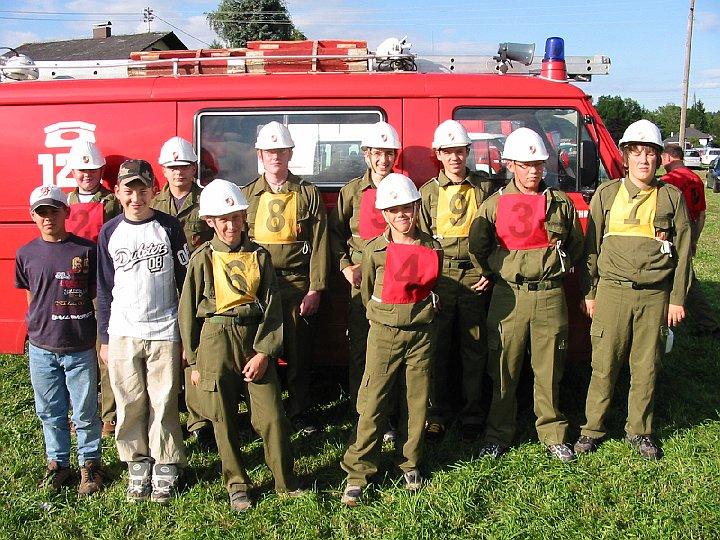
(111, 208)
(527, 304)
(399, 355)
(633, 279)
(347, 247)
(300, 266)
(462, 312)
(196, 232)
(218, 346)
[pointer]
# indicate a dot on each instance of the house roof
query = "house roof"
(108, 48)
(691, 132)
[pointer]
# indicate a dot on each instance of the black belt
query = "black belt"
(536, 285)
(638, 286)
(460, 265)
(301, 271)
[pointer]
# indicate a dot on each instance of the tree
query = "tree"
(698, 116)
(618, 113)
(240, 21)
(667, 118)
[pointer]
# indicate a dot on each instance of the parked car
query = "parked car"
(709, 155)
(692, 159)
(712, 180)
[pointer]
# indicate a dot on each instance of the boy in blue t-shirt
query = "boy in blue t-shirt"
(58, 271)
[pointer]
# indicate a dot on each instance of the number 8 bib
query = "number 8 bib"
(410, 273)
(520, 221)
(276, 218)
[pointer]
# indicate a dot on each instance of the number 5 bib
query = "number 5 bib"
(410, 273)
(520, 221)
(372, 223)
(236, 277)
(85, 220)
(276, 218)
(456, 210)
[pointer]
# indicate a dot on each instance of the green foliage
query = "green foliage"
(618, 113)
(667, 119)
(240, 21)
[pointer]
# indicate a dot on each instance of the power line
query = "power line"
(182, 31)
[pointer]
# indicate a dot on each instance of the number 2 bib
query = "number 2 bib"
(236, 277)
(520, 221)
(633, 217)
(410, 273)
(86, 220)
(276, 218)
(372, 223)
(456, 210)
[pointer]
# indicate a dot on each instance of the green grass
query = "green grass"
(611, 494)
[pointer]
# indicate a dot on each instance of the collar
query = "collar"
(192, 197)
(293, 183)
(218, 245)
(633, 190)
(366, 181)
(443, 180)
(512, 188)
(387, 239)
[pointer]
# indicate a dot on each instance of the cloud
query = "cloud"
(13, 38)
(710, 73)
(707, 21)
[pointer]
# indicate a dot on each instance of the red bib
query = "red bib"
(410, 273)
(520, 221)
(372, 223)
(86, 220)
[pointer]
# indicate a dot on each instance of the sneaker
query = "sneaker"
(390, 436)
(586, 445)
(91, 477)
(493, 450)
(139, 483)
(108, 429)
(351, 496)
(205, 438)
(413, 480)
(561, 451)
(240, 501)
(469, 433)
(164, 483)
(434, 432)
(55, 476)
(305, 425)
(645, 445)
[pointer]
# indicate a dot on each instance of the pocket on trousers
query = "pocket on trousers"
(209, 403)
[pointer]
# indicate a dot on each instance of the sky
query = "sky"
(645, 40)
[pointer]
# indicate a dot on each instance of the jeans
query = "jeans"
(60, 381)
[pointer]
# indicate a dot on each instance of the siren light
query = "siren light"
(553, 66)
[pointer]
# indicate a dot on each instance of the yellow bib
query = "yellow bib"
(276, 218)
(633, 217)
(236, 277)
(456, 210)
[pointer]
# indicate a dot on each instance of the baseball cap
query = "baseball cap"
(47, 196)
(136, 169)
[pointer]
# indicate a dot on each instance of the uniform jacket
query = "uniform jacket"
(196, 230)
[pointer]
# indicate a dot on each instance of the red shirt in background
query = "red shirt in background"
(692, 189)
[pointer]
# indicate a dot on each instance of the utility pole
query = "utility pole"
(686, 76)
(148, 16)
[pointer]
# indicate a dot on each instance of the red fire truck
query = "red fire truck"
(326, 96)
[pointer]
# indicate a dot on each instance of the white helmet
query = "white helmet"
(177, 151)
(18, 68)
(395, 190)
(380, 135)
(643, 132)
(85, 155)
(220, 198)
(450, 134)
(273, 136)
(525, 145)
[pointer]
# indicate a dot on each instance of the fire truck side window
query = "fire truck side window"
(489, 127)
(327, 143)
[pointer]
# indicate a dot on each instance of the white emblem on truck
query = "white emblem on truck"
(59, 137)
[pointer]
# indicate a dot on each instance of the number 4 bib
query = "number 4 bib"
(85, 220)
(236, 277)
(410, 273)
(520, 221)
(276, 218)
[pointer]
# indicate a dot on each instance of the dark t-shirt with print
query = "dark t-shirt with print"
(61, 279)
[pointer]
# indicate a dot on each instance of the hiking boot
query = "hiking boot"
(91, 477)
(562, 451)
(413, 480)
(469, 433)
(139, 481)
(493, 450)
(55, 476)
(351, 496)
(586, 445)
(164, 483)
(434, 432)
(645, 445)
(108, 429)
(240, 501)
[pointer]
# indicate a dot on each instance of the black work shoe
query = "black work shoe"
(205, 438)
(55, 476)
(413, 480)
(351, 496)
(561, 451)
(469, 433)
(586, 445)
(434, 431)
(645, 445)
(493, 450)
(305, 425)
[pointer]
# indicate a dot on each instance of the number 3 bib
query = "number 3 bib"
(236, 277)
(456, 210)
(85, 220)
(520, 221)
(410, 273)
(372, 223)
(276, 218)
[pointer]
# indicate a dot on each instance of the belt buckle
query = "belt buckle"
(636, 286)
(532, 286)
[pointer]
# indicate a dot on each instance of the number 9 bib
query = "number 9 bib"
(520, 221)
(276, 218)
(372, 223)
(410, 273)
(85, 220)
(456, 210)
(236, 277)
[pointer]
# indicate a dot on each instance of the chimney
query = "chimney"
(101, 31)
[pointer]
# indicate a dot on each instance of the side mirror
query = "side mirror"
(589, 165)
